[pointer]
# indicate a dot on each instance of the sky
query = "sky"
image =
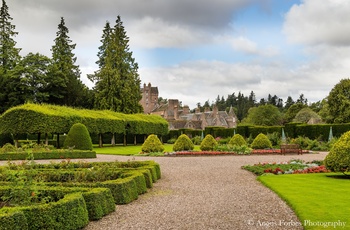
(198, 50)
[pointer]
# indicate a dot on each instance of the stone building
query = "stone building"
(180, 117)
(149, 99)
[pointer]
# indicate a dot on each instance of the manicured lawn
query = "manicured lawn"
(317, 199)
(128, 150)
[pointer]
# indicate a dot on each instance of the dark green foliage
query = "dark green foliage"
(10, 95)
(237, 140)
(339, 102)
(78, 137)
(152, 144)
(267, 115)
(117, 81)
(208, 143)
(293, 111)
(64, 83)
(196, 140)
(13, 219)
(338, 158)
(183, 143)
(54, 154)
(261, 142)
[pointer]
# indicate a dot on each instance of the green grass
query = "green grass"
(128, 150)
(317, 198)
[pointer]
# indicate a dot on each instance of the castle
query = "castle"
(180, 117)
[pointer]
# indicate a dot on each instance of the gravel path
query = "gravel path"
(204, 193)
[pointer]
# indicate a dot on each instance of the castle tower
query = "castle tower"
(149, 98)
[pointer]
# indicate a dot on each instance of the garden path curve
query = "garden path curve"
(211, 192)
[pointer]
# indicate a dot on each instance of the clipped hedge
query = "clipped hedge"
(69, 212)
(78, 137)
(99, 201)
(152, 144)
(237, 140)
(54, 154)
(261, 142)
(34, 118)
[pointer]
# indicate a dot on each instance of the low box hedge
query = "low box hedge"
(99, 201)
(67, 213)
(56, 154)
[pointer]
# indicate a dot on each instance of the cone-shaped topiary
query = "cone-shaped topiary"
(237, 140)
(338, 158)
(152, 145)
(183, 143)
(78, 137)
(208, 143)
(261, 142)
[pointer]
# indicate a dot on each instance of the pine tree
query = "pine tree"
(64, 84)
(117, 80)
(9, 57)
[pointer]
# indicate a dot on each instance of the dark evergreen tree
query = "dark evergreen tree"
(289, 103)
(64, 83)
(117, 80)
(33, 70)
(9, 58)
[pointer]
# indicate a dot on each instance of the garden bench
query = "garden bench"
(291, 148)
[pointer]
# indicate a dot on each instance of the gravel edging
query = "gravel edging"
(204, 193)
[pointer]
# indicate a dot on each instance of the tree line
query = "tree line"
(56, 79)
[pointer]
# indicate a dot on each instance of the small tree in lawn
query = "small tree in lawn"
(208, 143)
(78, 137)
(152, 145)
(183, 143)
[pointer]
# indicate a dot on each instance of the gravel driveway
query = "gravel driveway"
(204, 193)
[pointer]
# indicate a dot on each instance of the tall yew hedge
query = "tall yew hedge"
(35, 119)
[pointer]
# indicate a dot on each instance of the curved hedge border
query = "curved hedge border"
(34, 118)
(92, 202)
(75, 154)
(67, 213)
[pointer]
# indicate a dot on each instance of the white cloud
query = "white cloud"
(315, 22)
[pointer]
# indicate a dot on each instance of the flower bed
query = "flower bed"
(216, 153)
(291, 167)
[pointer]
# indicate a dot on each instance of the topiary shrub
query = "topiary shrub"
(261, 142)
(338, 158)
(78, 137)
(152, 145)
(208, 143)
(237, 140)
(183, 143)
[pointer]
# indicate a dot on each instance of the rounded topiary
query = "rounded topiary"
(338, 158)
(152, 145)
(261, 142)
(78, 137)
(183, 143)
(208, 143)
(237, 140)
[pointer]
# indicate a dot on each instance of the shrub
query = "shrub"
(237, 140)
(183, 143)
(196, 140)
(171, 141)
(338, 158)
(261, 142)
(152, 145)
(208, 143)
(78, 137)
(8, 148)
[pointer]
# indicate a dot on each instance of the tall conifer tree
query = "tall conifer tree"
(9, 58)
(117, 80)
(64, 84)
